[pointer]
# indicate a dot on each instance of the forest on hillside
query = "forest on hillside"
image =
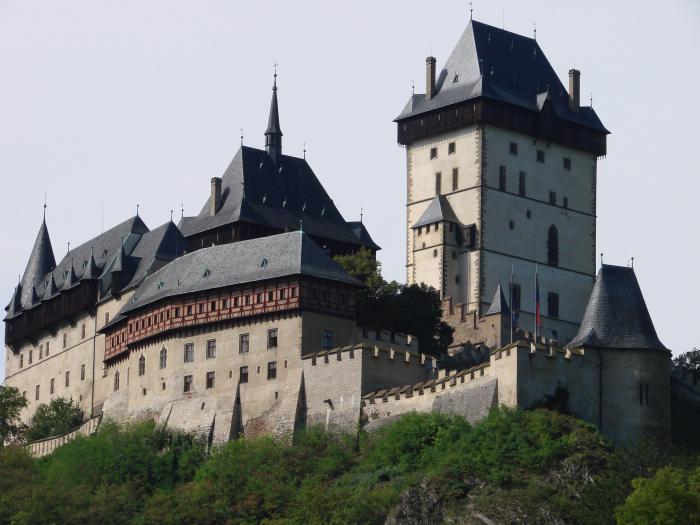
(515, 466)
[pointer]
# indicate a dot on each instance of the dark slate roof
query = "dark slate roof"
(254, 260)
(503, 66)
(616, 315)
(438, 210)
(273, 122)
(255, 190)
(498, 304)
(41, 261)
(359, 229)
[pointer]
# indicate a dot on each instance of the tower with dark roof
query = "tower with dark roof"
(501, 164)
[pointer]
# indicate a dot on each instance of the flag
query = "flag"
(538, 319)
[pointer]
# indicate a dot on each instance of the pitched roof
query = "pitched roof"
(616, 315)
(254, 260)
(256, 190)
(41, 261)
(503, 66)
(438, 210)
(359, 229)
(498, 304)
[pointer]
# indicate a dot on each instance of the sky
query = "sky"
(108, 104)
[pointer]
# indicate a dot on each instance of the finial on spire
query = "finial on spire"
(182, 210)
(471, 11)
(171, 215)
(304, 150)
(633, 263)
(301, 225)
(274, 82)
(273, 134)
(361, 214)
(413, 87)
(535, 26)
(137, 209)
(591, 99)
(241, 136)
(601, 258)
(44, 206)
(68, 247)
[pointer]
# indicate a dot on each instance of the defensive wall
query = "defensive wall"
(46, 446)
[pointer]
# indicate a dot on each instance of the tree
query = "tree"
(689, 361)
(11, 404)
(672, 496)
(411, 309)
(59, 417)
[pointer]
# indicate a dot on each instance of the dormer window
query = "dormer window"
(455, 79)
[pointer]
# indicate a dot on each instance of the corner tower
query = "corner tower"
(497, 140)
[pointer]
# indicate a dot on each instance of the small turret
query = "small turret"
(273, 134)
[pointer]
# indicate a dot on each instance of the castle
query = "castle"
(238, 322)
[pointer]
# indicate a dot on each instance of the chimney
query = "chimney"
(429, 77)
(215, 201)
(574, 89)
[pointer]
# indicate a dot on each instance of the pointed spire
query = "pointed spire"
(34, 297)
(273, 134)
(41, 261)
(499, 304)
(15, 305)
(50, 289)
(91, 270)
(71, 277)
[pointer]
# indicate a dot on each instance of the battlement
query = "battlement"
(385, 337)
(546, 346)
(382, 353)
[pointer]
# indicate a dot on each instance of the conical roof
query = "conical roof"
(273, 122)
(498, 304)
(616, 315)
(41, 261)
(92, 272)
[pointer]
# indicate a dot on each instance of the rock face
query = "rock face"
(421, 505)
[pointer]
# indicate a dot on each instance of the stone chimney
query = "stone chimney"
(215, 201)
(574, 89)
(430, 77)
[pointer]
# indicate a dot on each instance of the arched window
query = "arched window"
(553, 246)
(163, 357)
(142, 365)
(116, 380)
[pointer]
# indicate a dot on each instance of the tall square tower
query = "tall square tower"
(501, 177)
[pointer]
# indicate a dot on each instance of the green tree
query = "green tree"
(59, 417)
(412, 309)
(671, 497)
(11, 404)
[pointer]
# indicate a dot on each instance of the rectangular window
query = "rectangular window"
(272, 370)
(293, 292)
(200, 308)
(552, 197)
(327, 341)
(438, 183)
(31, 356)
(52, 385)
(67, 378)
(243, 374)
(259, 298)
(189, 309)
(107, 318)
(433, 153)
(82, 331)
(65, 340)
(521, 184)
(513, 148)
(47, 348)
(177, 312)
(283, 294)
(225, 304)
(82, 372)
(187, 384)
(502, 178)
(455, 179)
(553, 304)
(243, 344)
(212, 306)
(272, 338)
(41, 351)
(21, 360)
(211, 349)
(210, 379)
(247, 300)
(567, 163)
(566, 202)
(270, 296)
(540, 156)
(451, 148)
(516, 296)
(36, 393)
(189, 352)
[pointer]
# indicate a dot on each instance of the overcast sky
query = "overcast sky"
(106, 104)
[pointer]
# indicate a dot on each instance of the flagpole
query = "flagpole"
(537, 302)
(510, 301)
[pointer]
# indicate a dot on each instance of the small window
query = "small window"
(293, 291)
(270, 296)
(163, 358)
(236, 302)
(224, 304)
(189, 309)
(455, 179)
(21, 360)
(211, 349)
(272, 370)
(513, 148)
(189, 352)
(272, 338)
(540, 156)
(41, 351)
(212, 306)
(553, 246)
(502, 178)
(566, 202)
(283, 294)
(553, 304)
(52, 385)
(82, 331)
(65, 340)
(451, 148)
(187, 384)
(116, 380)
(177, 312)
(433, 153)
(438, 183)
(247, 300)
(142, 366)
(511, 225)
(243, 344)
(259, 298)
(552, 197)
(521, 184)
(200, 308)
(528, 214)
(327, 341)
(644, 394)
(211, 376)
(516, 297)
(36, 393)
(67, 378)
(567, 163)
(435, 252)
(82, 372)
(243, 374)
(107, 318)
(47, 348)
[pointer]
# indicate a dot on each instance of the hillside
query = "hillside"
(513, 467)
